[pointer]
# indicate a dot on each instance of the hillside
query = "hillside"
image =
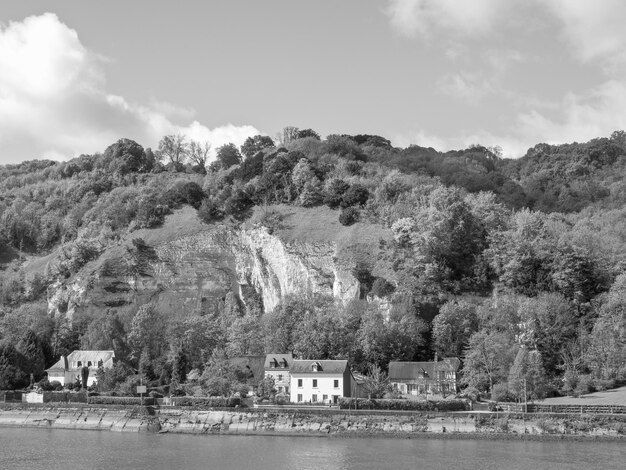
(344, 247)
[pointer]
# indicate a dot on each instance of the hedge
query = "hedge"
(64, 397)
(406, 405)
(208, 402)
(103, 400)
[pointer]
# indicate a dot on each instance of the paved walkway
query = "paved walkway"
(617, 396)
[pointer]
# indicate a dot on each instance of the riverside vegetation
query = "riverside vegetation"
(515, 266)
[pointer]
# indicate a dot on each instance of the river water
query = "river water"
(48, 449)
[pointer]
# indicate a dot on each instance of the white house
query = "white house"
(66, 369)
(320, 381)
(278, 367)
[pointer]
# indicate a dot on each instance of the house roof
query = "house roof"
(300, 366)
(278, 358)
(84, 357)
(411, 370)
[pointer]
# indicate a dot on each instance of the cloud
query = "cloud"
(594, 30)
(462, 16)
(54, 102)
(597, 112)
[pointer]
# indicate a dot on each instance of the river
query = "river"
(34, 449)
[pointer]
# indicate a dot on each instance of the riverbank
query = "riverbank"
(336, 423)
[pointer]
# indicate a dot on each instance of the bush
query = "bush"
(102, 400)
(356, 195)
(206, 402)
(349, 216)
(501, 392)
(382, 288)
(406, 405)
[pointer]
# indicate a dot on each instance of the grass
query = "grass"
(616, 396)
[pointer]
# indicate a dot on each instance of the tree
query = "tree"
(488, 359)
(173, 149)
(288, 134)
(376, 382)
(199, 154)
(228, 155)
(266, 387)
(527, 378)
(254, 145)
(452, 328)
(304, 133)
(84, 376)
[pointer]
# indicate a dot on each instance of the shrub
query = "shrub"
(356, 195)
(210, 210)
(102, 400)
(382, 288)
(501, 392)
(333, 193)
(349, 216)
(407, 405)
(207, 402)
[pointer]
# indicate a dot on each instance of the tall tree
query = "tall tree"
(199, 154)
(173, 149)
(228, 155)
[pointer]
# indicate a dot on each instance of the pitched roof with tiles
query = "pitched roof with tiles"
(84, 357)
(411, 370)
(325, 366)
(275, 361)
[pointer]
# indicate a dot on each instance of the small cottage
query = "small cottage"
(413, 378)
(68, 368)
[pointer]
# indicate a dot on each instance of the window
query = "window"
(79, 364)
(89, 364)
(300, 384)
(314, 398)
(280, 377)
(100, 363)
(336, 383)
(314, 367)
(324, 397)
(314, 383)
(299, 397)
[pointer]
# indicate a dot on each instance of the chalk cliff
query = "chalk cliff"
(191, 268)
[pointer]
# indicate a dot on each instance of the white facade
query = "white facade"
(317, 389)
(323, 382)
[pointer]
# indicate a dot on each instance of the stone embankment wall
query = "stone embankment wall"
(330, 422)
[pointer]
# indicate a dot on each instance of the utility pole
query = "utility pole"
(525, 397)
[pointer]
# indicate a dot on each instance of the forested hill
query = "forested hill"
(343, 247)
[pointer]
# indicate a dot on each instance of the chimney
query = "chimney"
(436, 357)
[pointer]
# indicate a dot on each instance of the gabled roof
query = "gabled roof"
(84, 357)
(300, 366)
(411, 370)
(279, 358)
(93, 356)
(449, 363)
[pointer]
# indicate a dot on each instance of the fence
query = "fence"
(569, 409)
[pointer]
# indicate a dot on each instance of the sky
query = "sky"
(75, 75)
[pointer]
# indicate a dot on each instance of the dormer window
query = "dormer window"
(79, 364)
(89, 364)
(316, 367)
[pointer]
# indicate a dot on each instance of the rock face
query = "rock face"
(193, 272)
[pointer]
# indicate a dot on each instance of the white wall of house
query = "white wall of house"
(317, 388)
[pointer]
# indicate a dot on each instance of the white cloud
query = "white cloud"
(595, 113)
(594, 29)
(54, 102)
(463, 16)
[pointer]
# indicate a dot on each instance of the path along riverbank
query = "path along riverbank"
(289, 422)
